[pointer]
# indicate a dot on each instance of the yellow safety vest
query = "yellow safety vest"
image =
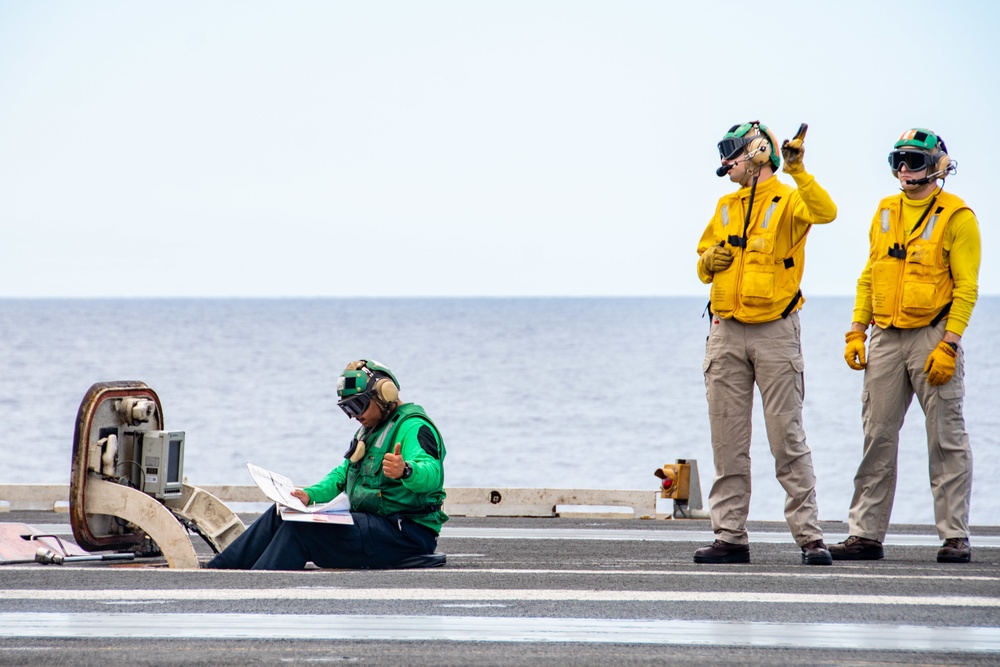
(911, 280)
(762, 284)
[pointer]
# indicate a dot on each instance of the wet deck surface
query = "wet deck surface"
(522, 592)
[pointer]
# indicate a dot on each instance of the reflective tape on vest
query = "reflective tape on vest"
(929, 229)
(770, 212)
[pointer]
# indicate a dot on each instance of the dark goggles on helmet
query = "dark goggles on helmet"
(355, 405)
(731, 147)
(914, 160)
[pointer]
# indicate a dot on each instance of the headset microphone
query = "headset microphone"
(949, 169)
(724, 169)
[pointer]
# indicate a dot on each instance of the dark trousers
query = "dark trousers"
(271, 543)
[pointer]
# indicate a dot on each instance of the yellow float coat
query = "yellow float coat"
(941, 264)
(764, 277)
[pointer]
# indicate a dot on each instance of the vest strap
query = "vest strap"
(791, 305)
(926, 211)
(940, 316)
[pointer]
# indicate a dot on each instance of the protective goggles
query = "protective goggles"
(731, 147)
(355, 405)
(914, 160)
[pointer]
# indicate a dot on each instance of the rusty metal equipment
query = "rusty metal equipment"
(127, 490)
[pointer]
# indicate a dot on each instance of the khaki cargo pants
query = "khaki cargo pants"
(737, 356)
(895, 372)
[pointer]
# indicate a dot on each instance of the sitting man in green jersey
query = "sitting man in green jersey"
(393, 475)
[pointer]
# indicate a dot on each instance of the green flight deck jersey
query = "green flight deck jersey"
(419, 497)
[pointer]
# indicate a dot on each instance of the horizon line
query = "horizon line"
(292, 297)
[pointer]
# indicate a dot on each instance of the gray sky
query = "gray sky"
(454, 148)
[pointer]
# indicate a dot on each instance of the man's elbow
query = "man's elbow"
(827, 214)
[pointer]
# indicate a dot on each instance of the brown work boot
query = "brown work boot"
(857, 548)
(723, 552)
(816, 553)
(955, 550)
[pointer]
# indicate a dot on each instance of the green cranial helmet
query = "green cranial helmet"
(739, 137)
(360, 377)
(922, 149)
(920, 138)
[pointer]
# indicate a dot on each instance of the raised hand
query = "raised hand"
(393, 463)
(793, 151)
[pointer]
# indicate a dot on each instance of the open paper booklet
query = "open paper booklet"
(279, 489)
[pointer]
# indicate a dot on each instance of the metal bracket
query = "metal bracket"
(206, 515)
(148, 514)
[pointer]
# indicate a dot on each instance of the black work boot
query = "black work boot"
(955, 550)
(857, 548)
(723, 552)
(816, 553)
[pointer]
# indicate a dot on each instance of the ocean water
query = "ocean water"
(532, 392)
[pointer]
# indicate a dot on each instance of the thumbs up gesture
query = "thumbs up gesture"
(393, 464)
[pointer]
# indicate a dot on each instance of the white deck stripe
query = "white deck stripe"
(682, 536)
(884, 572)
(502, 629)
(492, 595)
(707, 536)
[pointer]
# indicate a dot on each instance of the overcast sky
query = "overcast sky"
(455, 148)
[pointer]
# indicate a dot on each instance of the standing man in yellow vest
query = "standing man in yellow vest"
(753, 253)
(920, 285)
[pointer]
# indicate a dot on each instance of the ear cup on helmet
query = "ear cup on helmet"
(759, 151)
(356, 452)
(942, 164)
(385, 390)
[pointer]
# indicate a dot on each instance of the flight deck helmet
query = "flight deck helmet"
(362, 382)
(742, 135)
(918, 149)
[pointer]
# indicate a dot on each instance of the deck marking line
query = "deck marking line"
(880, 572)
(626, 535)
(491, 594)
(836, 573)
(502, 629)
(612, 534)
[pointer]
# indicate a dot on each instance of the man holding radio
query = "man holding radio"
(393, 474)
(918, 289)
(753, 254)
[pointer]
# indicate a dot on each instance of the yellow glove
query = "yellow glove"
(940, 364)
(855, 351)
(793, 151)
(716, 258)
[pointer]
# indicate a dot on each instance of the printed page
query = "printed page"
(339, 504)
(276, 487)
(279, 489)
